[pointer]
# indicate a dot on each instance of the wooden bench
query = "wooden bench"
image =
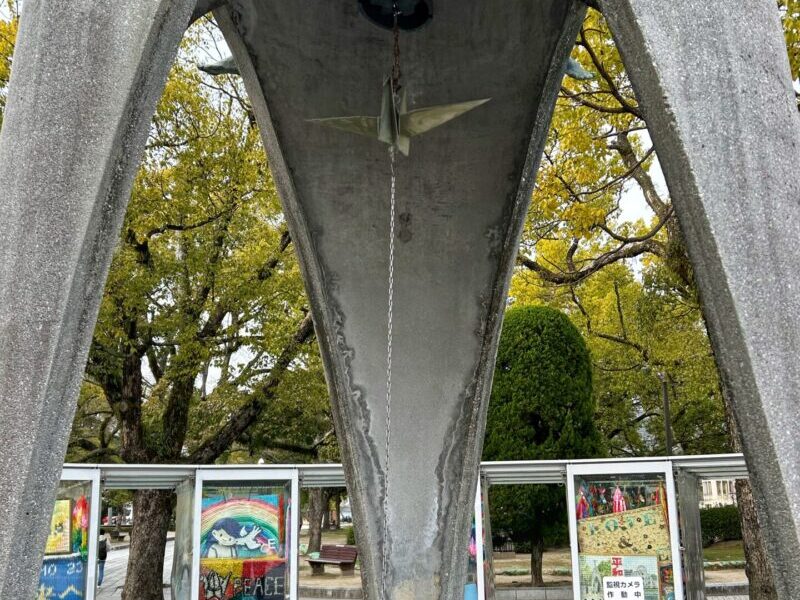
(344, 556)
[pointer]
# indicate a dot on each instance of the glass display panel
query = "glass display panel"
(471, 588)
(244, 541)
(623, 537)
(488, 561)
(64, 568)
(182, 555)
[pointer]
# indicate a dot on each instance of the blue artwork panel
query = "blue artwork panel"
(62, 577)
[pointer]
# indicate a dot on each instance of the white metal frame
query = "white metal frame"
(713, 466)
(479, 549)
(618, 468)
(92, 476)
(121, 476)
(253, 475)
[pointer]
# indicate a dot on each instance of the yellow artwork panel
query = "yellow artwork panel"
(641, 531)
(58, 542)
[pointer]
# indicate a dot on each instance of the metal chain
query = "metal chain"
(396, 73)
(389, 328)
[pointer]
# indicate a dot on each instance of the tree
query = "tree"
(639, 335)
(541, 408)
(790, 17)
(598, 155)
(9, 23)
(201, 352)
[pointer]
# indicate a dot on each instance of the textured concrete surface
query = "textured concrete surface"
(462, 198)
(85, 80)
(716, 90)
(205, 6)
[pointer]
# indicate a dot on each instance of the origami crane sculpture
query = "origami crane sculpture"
(396, 125)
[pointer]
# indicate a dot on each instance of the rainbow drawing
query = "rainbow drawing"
(265, 512)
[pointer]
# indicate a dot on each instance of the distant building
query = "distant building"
(346, 512)
(718, 492)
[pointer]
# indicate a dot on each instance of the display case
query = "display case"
(624, 531)
(68, 568)
(184, 546)
(481, 569)
(245, 522)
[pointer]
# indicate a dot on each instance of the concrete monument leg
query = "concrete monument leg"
(715, 86)
(86, 78)
(462, 197)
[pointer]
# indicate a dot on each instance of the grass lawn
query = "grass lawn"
(331, 536)
(724, 551)
(557, 563)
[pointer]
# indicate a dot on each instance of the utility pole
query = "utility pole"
(667, 415)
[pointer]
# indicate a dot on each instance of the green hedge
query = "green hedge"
(720, 524)
(351, 536)
(556, 536)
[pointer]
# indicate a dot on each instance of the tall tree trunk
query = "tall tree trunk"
(757, 566)
(537, 554)
(316, 506)
(152, 510)
(338, 510)
(326, 510)
(118, 522)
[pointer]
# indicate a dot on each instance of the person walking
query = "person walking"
(102, 554)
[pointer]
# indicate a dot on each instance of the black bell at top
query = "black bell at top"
(411, 14)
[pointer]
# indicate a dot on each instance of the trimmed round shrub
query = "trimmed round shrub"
(720, 524)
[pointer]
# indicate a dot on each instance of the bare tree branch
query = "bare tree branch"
(571, 277)
(619, 311)
(615, 432)
(612, 85)
(190, 226)
(266, 270)
(248, 414)
(614, 110)
(623, 146)
(649, 235)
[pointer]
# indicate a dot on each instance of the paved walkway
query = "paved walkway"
(116, 569)
(117, 566)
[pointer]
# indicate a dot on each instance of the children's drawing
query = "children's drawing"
(58, 542)
(242, 527)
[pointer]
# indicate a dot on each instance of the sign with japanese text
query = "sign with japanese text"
(595, 570)
(623, 588)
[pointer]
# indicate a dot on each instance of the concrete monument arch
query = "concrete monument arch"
(716, 89)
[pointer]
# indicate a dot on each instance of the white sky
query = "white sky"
(632, 203)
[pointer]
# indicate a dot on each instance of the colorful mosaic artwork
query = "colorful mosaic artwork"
(62, 578)
(638, 532)
(59, 541)
(243, 547)
(80, 527)
(242, 579)
(251, 527)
